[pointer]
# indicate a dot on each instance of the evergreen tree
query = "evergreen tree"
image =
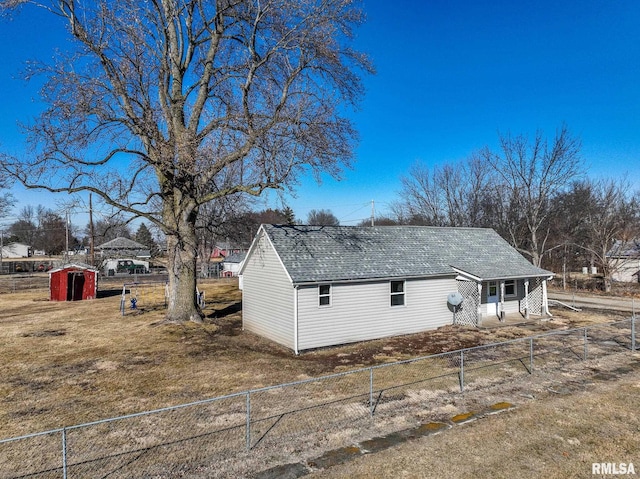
(289, 215)
(143, 236)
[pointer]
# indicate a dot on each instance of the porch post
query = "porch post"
(501, 300)
(526, 298)
(479, 308)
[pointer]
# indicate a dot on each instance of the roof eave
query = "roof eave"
(372, 279)
(545, 274)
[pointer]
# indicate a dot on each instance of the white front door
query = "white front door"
(492, 298)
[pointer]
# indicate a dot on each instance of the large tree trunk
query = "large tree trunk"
(182, 250)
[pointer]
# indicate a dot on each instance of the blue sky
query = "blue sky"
(451, 76)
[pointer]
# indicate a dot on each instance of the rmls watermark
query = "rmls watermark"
(613, 468)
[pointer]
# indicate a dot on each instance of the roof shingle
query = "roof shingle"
(341, 253)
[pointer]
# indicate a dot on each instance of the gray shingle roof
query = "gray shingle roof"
(622, 249)
(121, 243)
(235, 258)
(333, 253)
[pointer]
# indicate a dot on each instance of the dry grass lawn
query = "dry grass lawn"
(558, 436)
(67, 363)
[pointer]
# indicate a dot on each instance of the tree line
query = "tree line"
(535, 193)
(48, 231)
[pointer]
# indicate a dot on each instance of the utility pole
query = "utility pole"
(373, 211)
(92, 256)
(66, 233)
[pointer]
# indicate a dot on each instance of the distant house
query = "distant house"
(311, 286)
(16, 250)
(123, 248)
(624, 261)
(232, 264)
(223, 250)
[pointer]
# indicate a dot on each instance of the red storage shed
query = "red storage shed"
(73, 282)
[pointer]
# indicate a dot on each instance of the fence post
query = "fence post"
(585, 344)
(64, 453)
(248, 426)
(462, 370)
(371, 391)
(633, 332)
(530, 355)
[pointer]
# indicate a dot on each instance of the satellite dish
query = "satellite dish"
(455, 299)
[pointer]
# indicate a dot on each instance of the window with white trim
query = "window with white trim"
(397, 293)
(510, 288)
(324, 295)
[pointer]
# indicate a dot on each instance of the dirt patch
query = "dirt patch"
(44, 334)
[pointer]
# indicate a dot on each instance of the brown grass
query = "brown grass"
(68, 363)
(555, 436)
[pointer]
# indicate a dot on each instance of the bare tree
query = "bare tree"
(449, 195)
(612, 223)
(532, 174)
(322, 218)
(6, 198)
(25, 229)
(192, 95)
(220, 219)
(109, 228)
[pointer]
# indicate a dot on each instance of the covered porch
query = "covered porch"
(490, 302)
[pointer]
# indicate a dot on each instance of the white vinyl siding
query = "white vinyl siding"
(267, 296)
(362, 311)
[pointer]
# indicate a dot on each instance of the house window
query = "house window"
(510, 288)
(493, 289)
(397, 293)
(324, 295)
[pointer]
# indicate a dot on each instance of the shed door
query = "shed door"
(493, 298)
(75, 285)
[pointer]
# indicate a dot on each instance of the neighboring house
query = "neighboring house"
(312, 286)
(223, 250)
(16, 250)
(624, 261)
(123, 248)
(232, 264)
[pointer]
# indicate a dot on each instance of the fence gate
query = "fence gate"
(467, 313)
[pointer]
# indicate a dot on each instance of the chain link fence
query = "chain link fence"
(205, 438)
(17, 283)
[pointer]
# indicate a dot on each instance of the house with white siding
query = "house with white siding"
(623, 261)
(231, 265)
(307, 287)
(16, 250)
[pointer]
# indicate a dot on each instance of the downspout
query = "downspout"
(545, 299)
(479, 308)
(526, 298)
(295, 320)
(502, 300)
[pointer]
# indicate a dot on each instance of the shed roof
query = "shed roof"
(313, 254)
(80, 266)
